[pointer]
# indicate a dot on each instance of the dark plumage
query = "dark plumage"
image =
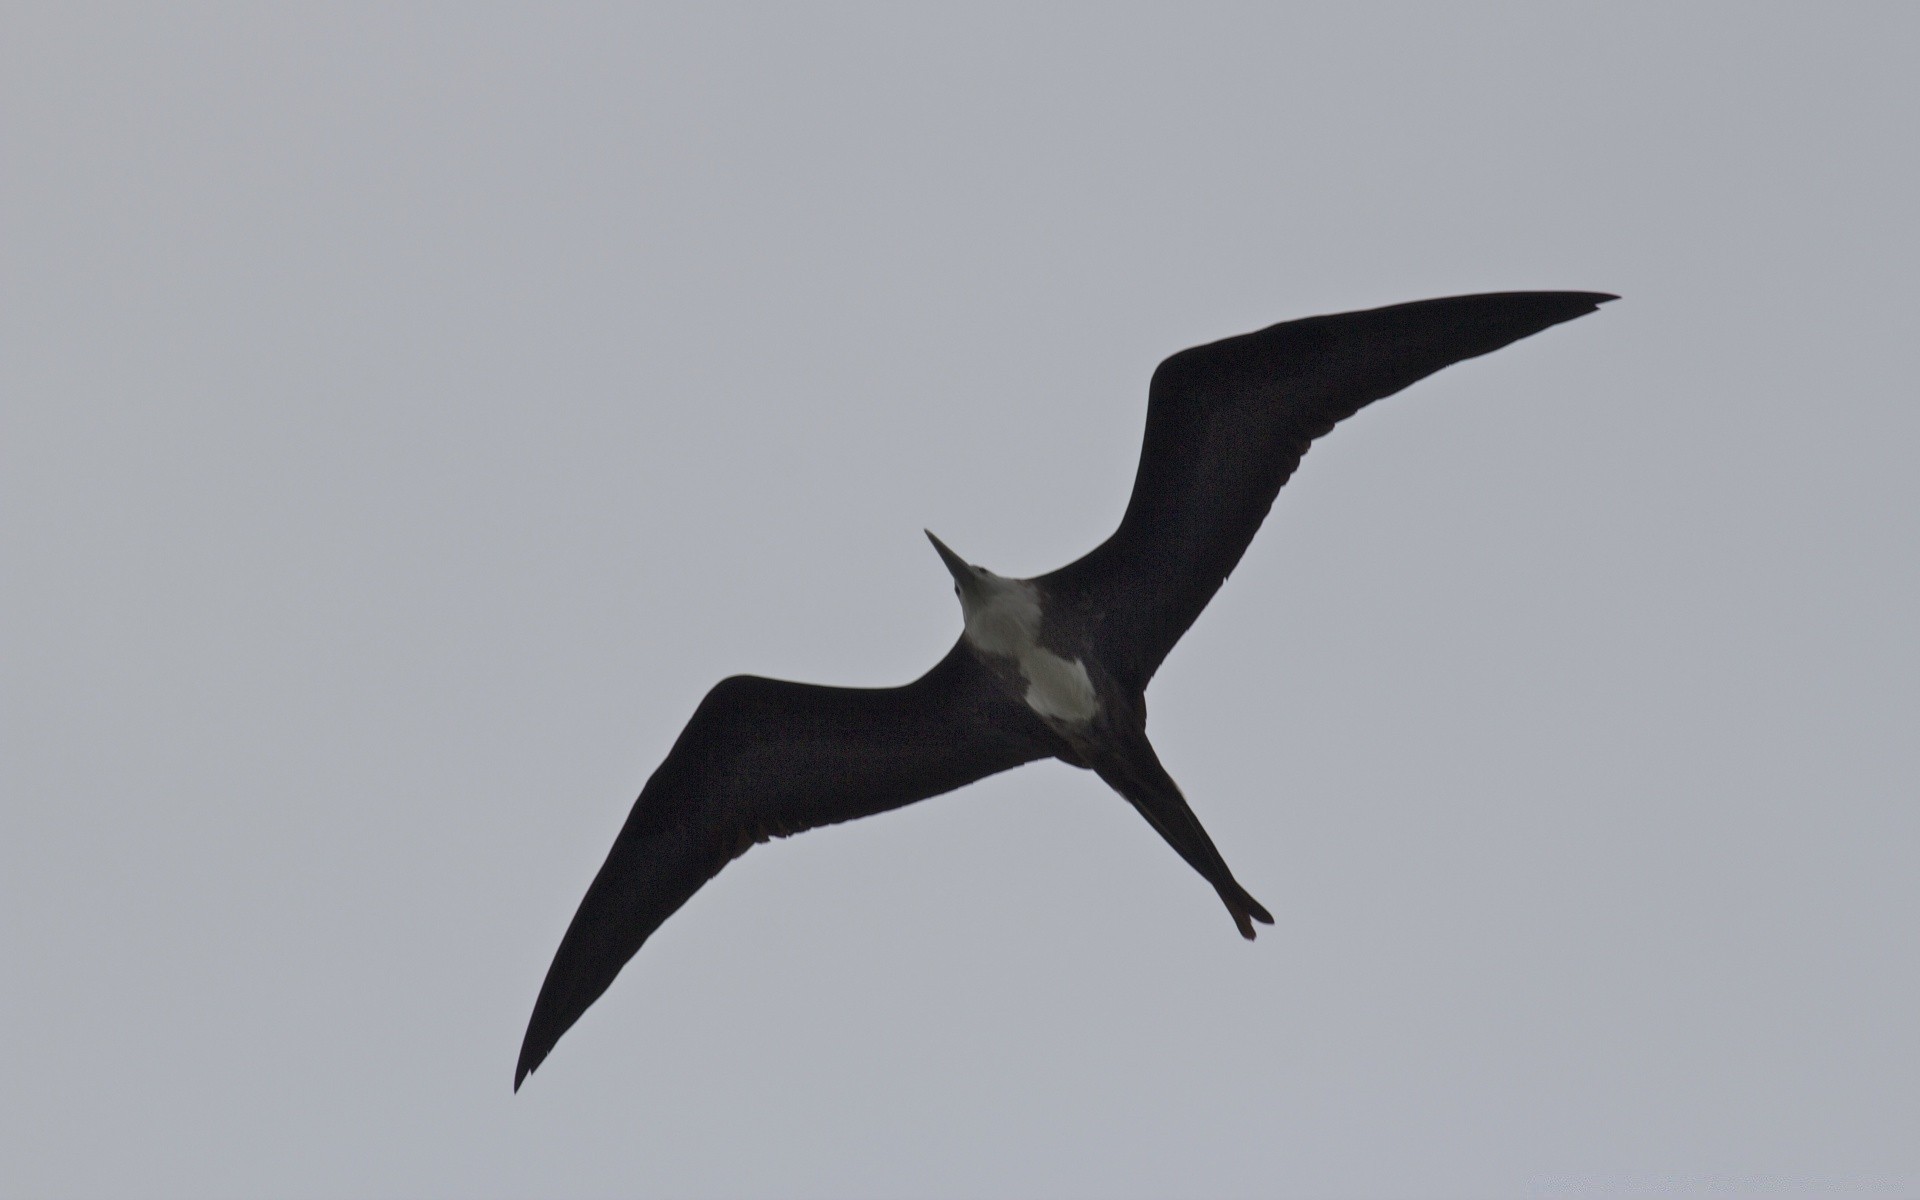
(1227, 424)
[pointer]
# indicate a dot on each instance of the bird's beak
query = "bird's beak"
(962, 573)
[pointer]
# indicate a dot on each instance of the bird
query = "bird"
(1055, 666)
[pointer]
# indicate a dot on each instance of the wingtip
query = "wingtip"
(1552, 308)
(529, 1063)
(1580, 302)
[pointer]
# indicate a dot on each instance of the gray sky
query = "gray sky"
(408, 415)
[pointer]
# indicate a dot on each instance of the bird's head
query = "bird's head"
(972, 584)
(1002, 615)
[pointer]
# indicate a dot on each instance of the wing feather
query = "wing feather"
(1227, 424)
(766, 758)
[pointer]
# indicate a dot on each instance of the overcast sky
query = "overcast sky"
(409, 412)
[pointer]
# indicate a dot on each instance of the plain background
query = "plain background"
(409, 413)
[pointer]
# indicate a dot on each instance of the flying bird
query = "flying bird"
(1050, 667)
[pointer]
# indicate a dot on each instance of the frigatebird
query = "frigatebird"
(1050, 667)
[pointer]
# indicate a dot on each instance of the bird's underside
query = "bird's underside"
(1054, 666)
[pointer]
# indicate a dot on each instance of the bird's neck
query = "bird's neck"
(1003, 617)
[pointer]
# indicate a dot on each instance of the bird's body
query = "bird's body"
(1006, 623)
(1051, 667)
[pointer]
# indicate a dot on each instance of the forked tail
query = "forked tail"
(1133, 769)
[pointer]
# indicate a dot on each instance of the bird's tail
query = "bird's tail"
(1131, 768)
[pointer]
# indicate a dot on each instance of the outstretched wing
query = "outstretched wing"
(764, 758)
(1228, 422)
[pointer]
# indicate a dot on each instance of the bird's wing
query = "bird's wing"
(764, 758)
(1228, 422)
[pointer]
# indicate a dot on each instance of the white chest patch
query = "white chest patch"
(1005, 621)
(1058, 688)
